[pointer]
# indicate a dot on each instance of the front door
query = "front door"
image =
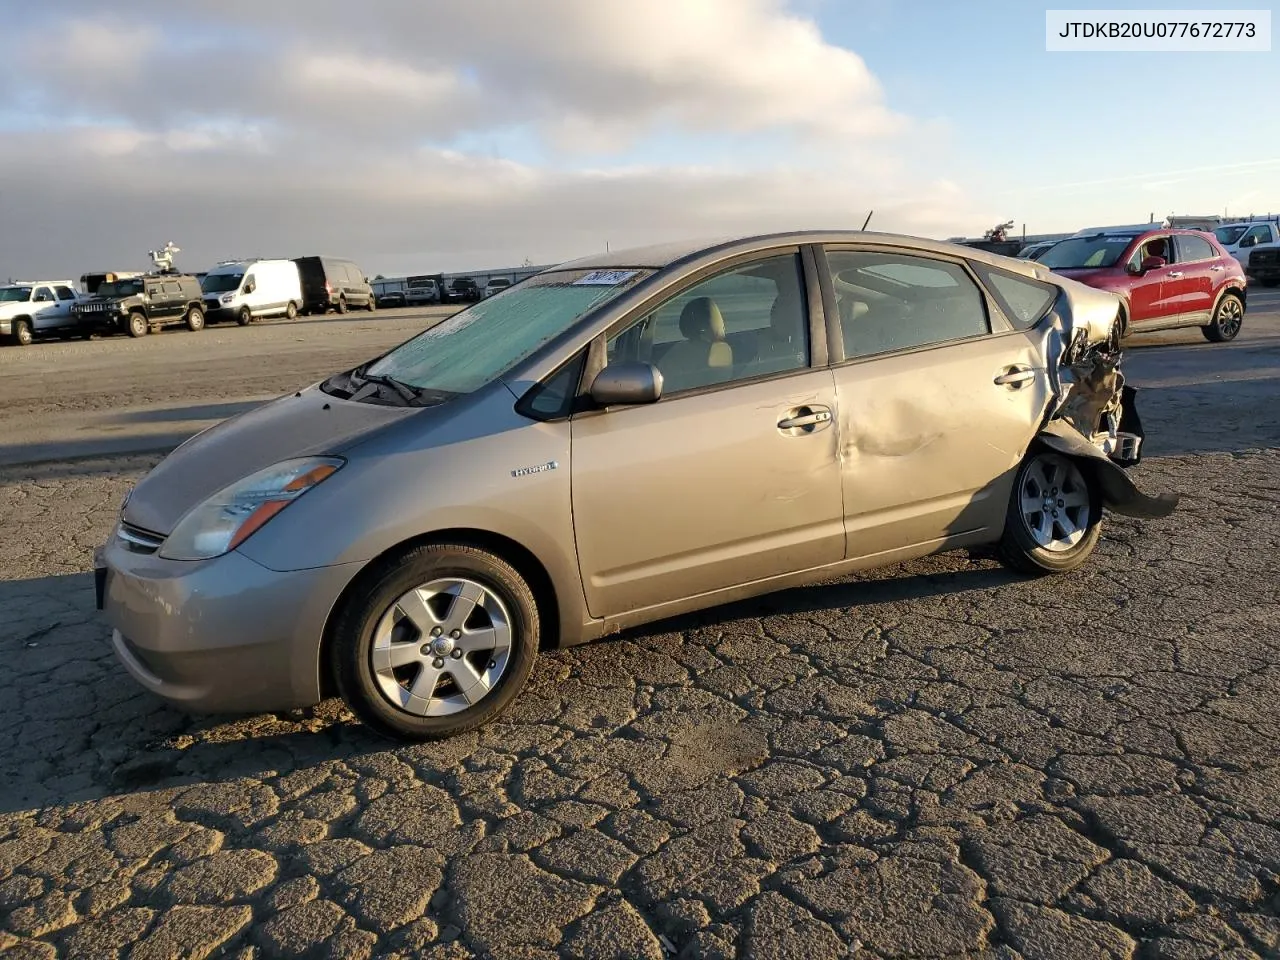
(733, 475)
(1153, 295)
(936, 411)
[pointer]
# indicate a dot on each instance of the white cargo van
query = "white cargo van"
(247, 290)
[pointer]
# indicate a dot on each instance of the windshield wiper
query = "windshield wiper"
(407, 393)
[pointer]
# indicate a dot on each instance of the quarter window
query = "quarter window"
(891, 301)
(1023, 300)
(1191, 249)
(748, 322)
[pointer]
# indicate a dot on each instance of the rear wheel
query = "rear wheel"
(195, 319)
(138, 326)
(435, 642)
(22, 333)
(291, 311)
(1227, 320)
(1055, 516)
(244, 317)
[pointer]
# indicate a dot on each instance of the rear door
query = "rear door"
(66, 300)
(1193, 272)
(733, 476)
(938, 394)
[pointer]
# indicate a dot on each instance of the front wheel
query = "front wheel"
(1054, 518)
(436, 642)
(291, 311)
(372, 305)
(244, 317)
(22, 335)
(1227, 320)
(138, 326)
(195, 319)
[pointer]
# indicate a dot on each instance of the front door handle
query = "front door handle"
(1175, 274)
(1217, 269)
(1015, 377)
(805, 418)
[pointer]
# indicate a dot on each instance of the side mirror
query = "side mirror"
(250, 287)
(627, 383)
(1249, 242)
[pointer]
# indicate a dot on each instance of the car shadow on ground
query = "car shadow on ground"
(77, 728)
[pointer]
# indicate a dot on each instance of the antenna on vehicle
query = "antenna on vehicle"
(163, 258)
(868, 220)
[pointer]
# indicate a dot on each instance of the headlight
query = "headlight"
(228, 297)
(231, 515)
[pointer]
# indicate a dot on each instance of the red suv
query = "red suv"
(1166, 278)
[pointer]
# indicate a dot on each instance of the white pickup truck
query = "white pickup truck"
(1241, 239)
(30, 309)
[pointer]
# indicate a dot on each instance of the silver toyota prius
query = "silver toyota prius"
(612, 441)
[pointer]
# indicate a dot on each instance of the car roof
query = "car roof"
(658, 256)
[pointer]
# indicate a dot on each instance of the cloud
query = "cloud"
(236, 128)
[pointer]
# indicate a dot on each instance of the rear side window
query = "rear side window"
(173, 289)
(1024, 300)
(892, 301)
(1191, 249)
(65, 293)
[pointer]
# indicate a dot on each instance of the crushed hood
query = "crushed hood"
(310, 423)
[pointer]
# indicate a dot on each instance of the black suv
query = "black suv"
(142, 304)
(464, 289)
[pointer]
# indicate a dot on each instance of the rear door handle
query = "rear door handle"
(1175, 274)
(1015, 377)
(803, 417)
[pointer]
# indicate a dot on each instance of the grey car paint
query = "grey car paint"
(477, 468)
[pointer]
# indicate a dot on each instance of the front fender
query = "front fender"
(1119, 493)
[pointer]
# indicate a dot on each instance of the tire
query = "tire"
(291, 311)
(372, 305)
(368, 628)
(137, 324)
(1042, 536)
(341, 306)
(244, 317)
(1228, 316)
(22, 334)
(86, 334)
(195, 319)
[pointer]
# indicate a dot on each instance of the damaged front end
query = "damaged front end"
(1092, 412)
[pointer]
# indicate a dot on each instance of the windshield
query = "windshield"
(1229, 235)
(13, 294)
(121, 288)
(480, 344)
(221, 282)
(1077, 253)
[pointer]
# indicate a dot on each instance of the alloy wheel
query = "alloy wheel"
(1230, 316)
(1055, 502)
(442, 647)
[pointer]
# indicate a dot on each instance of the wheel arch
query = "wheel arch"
(1239, 290)
(519, 556)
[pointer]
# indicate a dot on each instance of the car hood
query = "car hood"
(1085, 274)
(309, 423)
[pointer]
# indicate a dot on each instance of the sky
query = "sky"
(423, 136)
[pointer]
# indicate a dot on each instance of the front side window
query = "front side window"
(43, 295)
(1258, 235)
(748, 322)
(480, 344)
(1191, 249)
(893, 301)
(1155, 247)
(172, 289)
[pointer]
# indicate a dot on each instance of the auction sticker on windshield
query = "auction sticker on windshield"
(605, 278)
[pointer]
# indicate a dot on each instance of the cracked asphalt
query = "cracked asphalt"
(936, 760)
